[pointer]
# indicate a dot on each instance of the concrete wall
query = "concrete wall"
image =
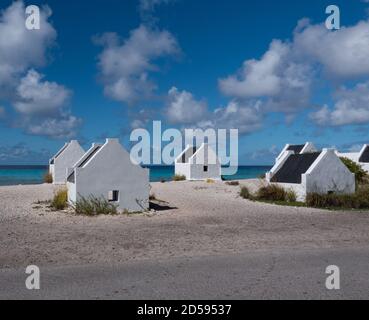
(72, 153)
(183, 169)
(111, 169)
(329, 174)
(205, 156)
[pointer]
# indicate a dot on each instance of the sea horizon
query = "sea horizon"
(23, 174)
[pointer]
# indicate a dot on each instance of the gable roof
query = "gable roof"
(294, 167)
(91, 153)
(364, 157)
(187, 154)
(297, 148)
(59, 153)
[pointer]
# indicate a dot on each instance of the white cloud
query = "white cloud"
(351, 107)
(246, 118)
(38, 97)
(277, 77)
(125, 67)
(184, 108)
(258, 77)
(284, 75)
(21, 48)
(42, 107)
(342, 53)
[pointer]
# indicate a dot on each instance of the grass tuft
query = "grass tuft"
(94, 206)
(48, 178)
(179, 177)
(60, 200)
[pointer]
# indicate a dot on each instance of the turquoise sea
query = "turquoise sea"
(14, 175)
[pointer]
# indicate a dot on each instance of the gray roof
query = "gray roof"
(294, 167)
(296, 148)
(188, 154)
(365, 156)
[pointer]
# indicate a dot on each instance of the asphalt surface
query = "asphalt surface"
(288, 274)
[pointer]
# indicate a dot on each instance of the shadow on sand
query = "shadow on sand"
(161, 206)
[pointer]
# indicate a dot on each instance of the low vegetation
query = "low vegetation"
(94, 206)
(271, 194)
(361, 176)
(210, 181)
(60, 200)
(48, 178)
(358, 200)
(245, 193)
(179, 177)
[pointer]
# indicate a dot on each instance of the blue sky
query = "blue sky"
(99, 70)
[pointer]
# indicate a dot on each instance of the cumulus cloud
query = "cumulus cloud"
(183, 108)
(38, 97)
(186, 110)
(283, 77)
(21, 48)
(258, 77)
(125, 66)
(351, 107)
(42, 106)
(342, 53)
(245, 117)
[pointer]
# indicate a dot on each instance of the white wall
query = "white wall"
(328, 173)
(205, 156)
(111, 169)
(72, 153)
(183, 169)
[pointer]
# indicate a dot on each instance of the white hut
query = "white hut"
(198, 163)
(106, 170)
(361, 157)
(315, 172)
(66, 157)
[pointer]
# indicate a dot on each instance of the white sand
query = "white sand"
(205, 219)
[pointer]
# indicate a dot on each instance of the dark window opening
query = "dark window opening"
(113, 196)
(206, 169)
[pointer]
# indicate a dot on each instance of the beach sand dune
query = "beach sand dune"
(197, 219)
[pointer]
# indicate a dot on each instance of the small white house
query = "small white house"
(106, 170)
(198, 163)
(361, 157)
(308, 147)
(66, 157)
(315, 172)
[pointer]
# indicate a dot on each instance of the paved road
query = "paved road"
(292, 274)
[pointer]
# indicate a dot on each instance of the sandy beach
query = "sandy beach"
(199, 219)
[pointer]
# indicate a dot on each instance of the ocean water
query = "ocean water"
(14, 175)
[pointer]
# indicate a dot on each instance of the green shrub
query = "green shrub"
(271, 193)
(178, 177)
(245, 193)
(360, 174)
(291, 196)
(358, 200)
(93, 206)
(60, 200)
(48, 178)
(232, 183)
